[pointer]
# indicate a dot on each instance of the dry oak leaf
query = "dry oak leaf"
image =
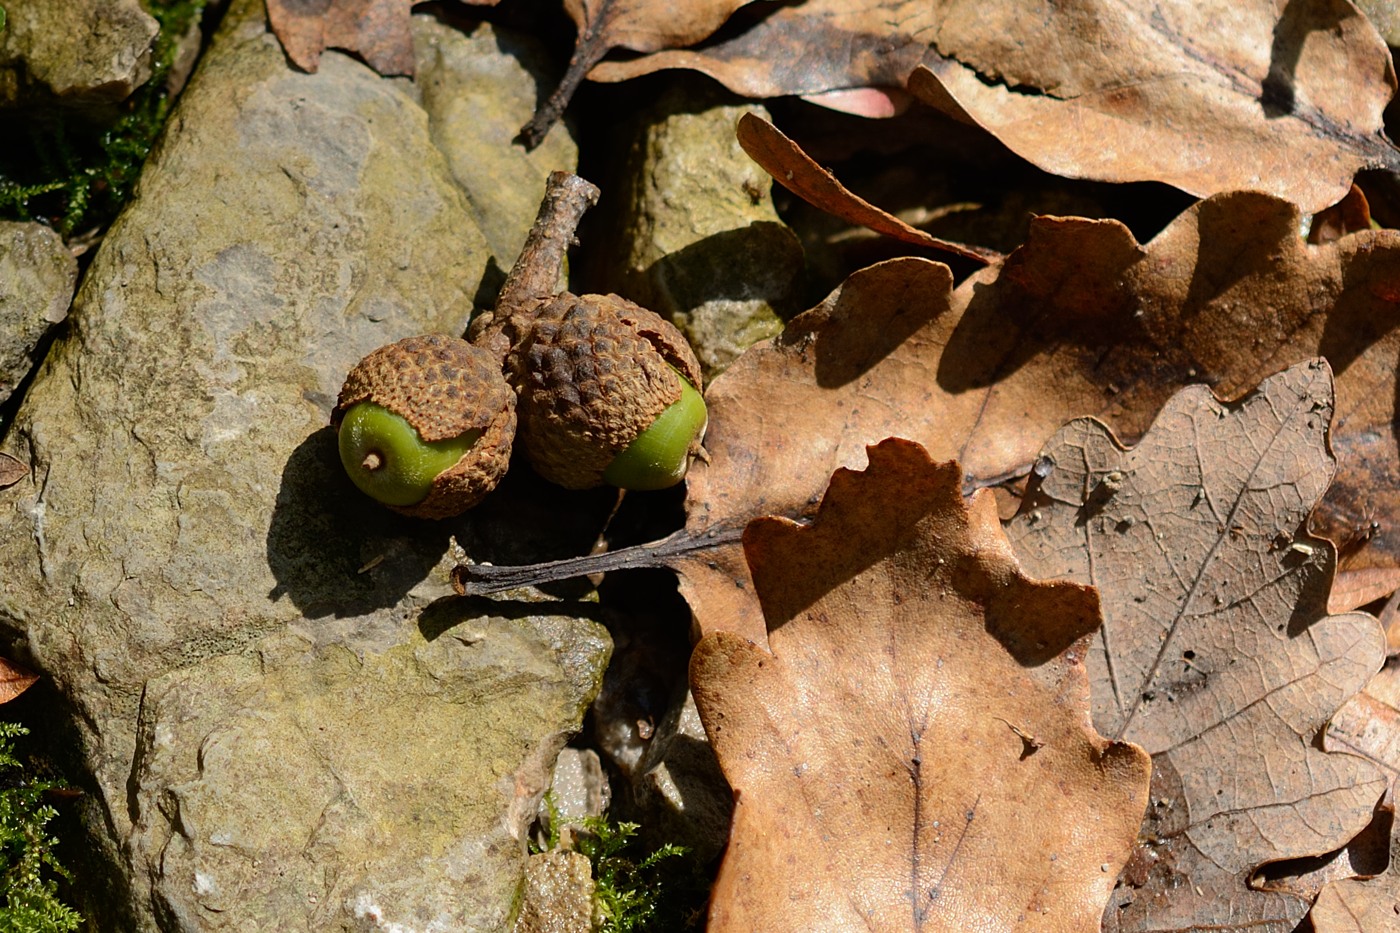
(1281, 97)
(1216, 653)
(1206, 96)
(815, 48)
(792, 168)
(1369, 725)
(1356, 905)
(915, 752)
(638, 25)
(376, 30)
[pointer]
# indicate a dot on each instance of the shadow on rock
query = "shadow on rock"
(443, 615)
(333, 551)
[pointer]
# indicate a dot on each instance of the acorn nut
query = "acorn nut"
(425, 425)
(608, 392)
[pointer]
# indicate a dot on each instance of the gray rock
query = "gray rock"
(558, 894)
(479, 88)
(79, 51)
(1385, 15)
(278, 723)
(37, 276)
(701, 241)
(578, 790)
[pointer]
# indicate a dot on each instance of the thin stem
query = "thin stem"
(535, 275)
(481, 579)
(534, 278)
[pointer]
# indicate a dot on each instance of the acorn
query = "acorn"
(608, 392)
(425, 425)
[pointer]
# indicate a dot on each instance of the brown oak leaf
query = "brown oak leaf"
(1206, 96)
(1361, 905)
(376, 30)
(808, 48)
(1216, 653)
(795, 170)
(920, 703)
(1279, 97)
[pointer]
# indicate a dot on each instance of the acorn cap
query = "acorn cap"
(444, 387)
(594, 372)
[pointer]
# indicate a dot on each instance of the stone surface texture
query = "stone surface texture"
(277, 722)
(37, 277)
(479, 84)
(558, 894)
(701, 242)
(81, 52)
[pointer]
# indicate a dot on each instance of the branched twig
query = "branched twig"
(482, 579)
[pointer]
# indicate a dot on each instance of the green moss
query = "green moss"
(28, 868)
(74, 175)
(634, 891)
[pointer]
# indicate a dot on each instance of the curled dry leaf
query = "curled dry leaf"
(807, 48)
(1216, 653)
(921, 699)
(795, 170)
(1207, 96)
(1281, 97)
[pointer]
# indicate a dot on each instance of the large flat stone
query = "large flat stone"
(269, 734)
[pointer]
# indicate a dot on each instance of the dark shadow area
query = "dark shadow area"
(1036, 621)
(720, 266)
(1366, 311)
(1238, 237)
(11, 405)
(444, 614)
(1277, 94)
(488, 287)
(334, 551)
(527, 520)
(53, 752)
(872, 317)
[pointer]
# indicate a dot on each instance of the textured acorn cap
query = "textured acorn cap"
(593, 373)
(444, 387)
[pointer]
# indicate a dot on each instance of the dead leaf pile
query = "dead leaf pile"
(920, 698)
(1081, 320)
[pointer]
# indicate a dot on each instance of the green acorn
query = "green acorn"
(425, 425)
(608, 392)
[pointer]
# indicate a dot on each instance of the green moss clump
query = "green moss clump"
(74, 175)
(28, 868)
(634, 891)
